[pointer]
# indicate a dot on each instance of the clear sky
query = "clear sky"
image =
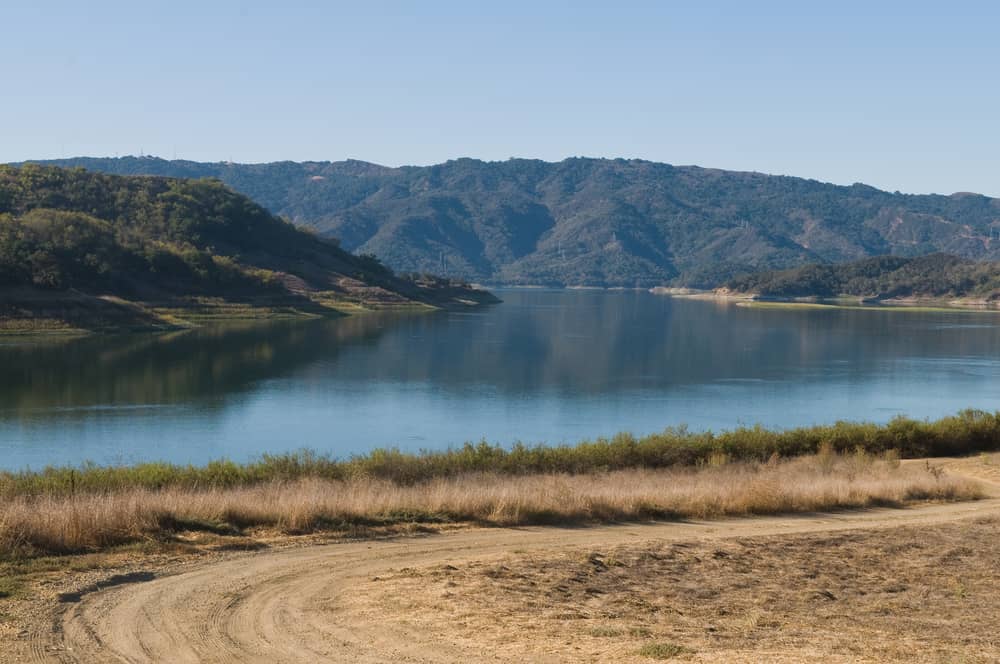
(900, 95)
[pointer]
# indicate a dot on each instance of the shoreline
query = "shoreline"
(855, 302)
(966, 432)
(929, 304)
(28, 312)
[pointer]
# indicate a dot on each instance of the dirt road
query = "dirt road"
(291, 606)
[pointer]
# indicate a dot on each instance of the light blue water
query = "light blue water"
(544, 366)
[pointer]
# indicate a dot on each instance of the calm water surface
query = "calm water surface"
(545, 366)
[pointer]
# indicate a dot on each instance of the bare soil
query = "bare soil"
(913, 594)
(916, 584)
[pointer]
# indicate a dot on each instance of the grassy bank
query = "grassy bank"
(32, 525)
(968, 432)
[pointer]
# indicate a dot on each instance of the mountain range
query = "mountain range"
(594, 222)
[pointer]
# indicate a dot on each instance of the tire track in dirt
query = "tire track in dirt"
(286, 606)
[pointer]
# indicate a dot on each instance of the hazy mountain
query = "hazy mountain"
(595, 221)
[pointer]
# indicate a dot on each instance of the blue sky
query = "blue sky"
(899, 95)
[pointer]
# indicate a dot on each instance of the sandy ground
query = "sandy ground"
(917, 584)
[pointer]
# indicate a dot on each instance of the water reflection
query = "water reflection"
(544, 366)
(198, 368)
(604, 342)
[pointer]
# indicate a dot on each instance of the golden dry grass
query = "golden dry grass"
(908, 594)
(89, 522)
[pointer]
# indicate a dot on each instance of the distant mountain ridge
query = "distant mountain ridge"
(594, 222)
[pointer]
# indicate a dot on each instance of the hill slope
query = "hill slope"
(595, 221)
(67, 236)
(881, 278)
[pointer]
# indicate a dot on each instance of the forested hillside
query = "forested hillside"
(159, 239)
(884, 277)
(595, 221)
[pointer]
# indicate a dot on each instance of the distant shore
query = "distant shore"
(772, 301)
(840, 302)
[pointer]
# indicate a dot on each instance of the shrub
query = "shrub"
(968, 432)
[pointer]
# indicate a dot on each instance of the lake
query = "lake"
(545, 366)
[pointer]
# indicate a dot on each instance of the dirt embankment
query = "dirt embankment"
(27, 311)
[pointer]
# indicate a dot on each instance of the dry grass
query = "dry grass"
(907, 594)
(91, 522)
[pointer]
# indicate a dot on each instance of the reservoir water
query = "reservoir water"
(544, 366)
